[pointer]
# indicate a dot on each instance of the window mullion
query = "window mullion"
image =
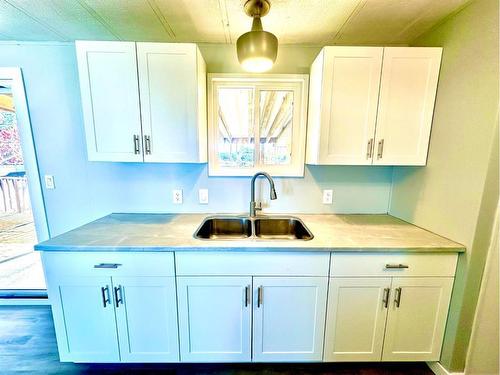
(256, 127)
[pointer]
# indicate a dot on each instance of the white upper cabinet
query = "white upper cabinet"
(406, 105)
(172, 81)
(343, 105)
(110, 100)
(372, 105)
(143, 101)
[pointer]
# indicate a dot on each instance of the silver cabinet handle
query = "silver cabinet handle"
(107, 265)
(397, 299)
(247, 295)
(118, 299)
(380, 152)
(137, 149)
(260, 295)
(147, 144)
(396, 266)
(385, 299)
(105, 295)
(369, 149)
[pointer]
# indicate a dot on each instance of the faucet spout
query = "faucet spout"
(272, 192)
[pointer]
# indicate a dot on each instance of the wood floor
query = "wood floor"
(28, 346)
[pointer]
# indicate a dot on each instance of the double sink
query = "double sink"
(246, 227)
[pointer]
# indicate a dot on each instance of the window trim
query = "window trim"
(298, 83)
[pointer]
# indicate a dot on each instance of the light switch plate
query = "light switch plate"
(177, 196)
(49, 182)
(327, 196)
(203, 196)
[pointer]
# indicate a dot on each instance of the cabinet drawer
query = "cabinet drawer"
(392, 264)
(108, 264)
(256, 264)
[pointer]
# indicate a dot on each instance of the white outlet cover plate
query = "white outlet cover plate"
(327, 196)
(203, 196)
(177, 196)
(49, 181)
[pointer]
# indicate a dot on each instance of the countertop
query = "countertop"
(174, 232)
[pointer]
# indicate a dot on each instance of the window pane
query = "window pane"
(236, 136)
(276, 116)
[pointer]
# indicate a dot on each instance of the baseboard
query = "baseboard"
(438, 369)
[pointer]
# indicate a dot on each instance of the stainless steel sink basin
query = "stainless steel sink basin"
(222, 228)
(282, 228)
(258, 228)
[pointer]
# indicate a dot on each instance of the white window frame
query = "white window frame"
(298, 83)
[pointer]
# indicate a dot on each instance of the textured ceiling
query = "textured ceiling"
(316, 22)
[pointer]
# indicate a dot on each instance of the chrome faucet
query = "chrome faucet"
(272, 194)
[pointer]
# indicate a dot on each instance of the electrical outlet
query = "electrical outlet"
(177, 196)
(203, 196)
(327, 196)
(49, 182)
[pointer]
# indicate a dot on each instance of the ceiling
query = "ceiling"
(314, 22)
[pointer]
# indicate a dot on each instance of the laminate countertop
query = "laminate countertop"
(174, 232)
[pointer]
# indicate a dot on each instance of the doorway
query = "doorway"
(21, 197)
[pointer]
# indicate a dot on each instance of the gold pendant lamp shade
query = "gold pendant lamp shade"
(257, 49)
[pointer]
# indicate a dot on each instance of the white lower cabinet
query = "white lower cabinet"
(288, 320)
(417, 318)
(146, 318)
(107, 309)
(386, 319)
(215, 317)
(85, 318)
(356, 318)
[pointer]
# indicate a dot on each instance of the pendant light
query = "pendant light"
(257, 49)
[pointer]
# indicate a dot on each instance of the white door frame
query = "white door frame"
(29, 152)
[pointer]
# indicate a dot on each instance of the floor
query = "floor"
(28, 346)
(20, 266)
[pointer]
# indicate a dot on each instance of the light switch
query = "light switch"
(203, 196)
(49, 182)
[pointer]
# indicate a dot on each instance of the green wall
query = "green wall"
(455, 195)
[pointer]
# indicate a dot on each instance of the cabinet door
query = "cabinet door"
(356, 319)
(406, 105)
(415, 325)
(172, 86)
(350, 96)
(214, 318)
(146, 316)
(85, 319)
(110, 100)
(289, 318)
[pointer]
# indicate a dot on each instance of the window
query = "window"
(257, 122)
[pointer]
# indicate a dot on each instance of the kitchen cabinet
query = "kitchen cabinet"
(356, 319)
(84, 306)
(388, 307)
(143, 102)
(343, 101)
(227, 301)
(172, 83)
(215, 318)
(288, 318)
(110, 100)
(406, 105)
(417, 318)
(372, 105)
(106, 308)
(146, 318)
